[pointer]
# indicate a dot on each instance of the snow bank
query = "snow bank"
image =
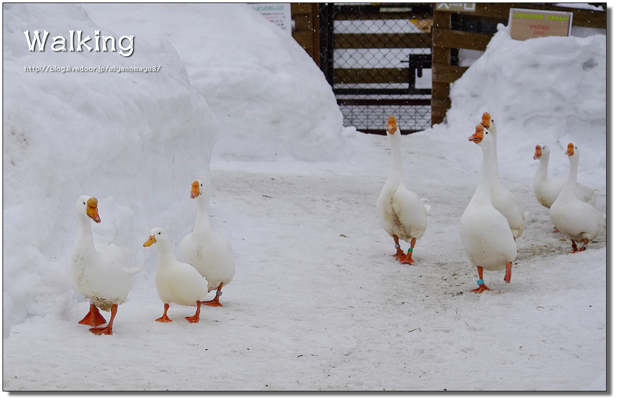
(271, 98)
(132, 140)
(136, 140)
(546, 90)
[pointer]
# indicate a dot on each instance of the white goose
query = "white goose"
(99, 274)
(176, 282)
(547, 189)
(401, 212)
(209, 252)
(503, 200)
(579, 220)
(485, 233)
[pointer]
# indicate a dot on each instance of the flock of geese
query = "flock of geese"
(101, 273)
(494, 218)
(490, 225)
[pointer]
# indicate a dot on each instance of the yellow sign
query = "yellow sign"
(525, 24)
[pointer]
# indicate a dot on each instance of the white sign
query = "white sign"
(456, 7)
(525, 24)
(277, 13)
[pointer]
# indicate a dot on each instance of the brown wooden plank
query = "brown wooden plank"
(459, 39)
(441, 20)
(305, 39)
(303, 22)
(441, 56)
(447, 73)
(443, 103)
(441, 90)
(386, 75)
(391, 101)
(590, 19)
(316, 36)
(301, 8)
(438, 115)
(383, 16)
(581, 18)
(366, 41)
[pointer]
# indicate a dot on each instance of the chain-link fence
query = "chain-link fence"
(378, 60)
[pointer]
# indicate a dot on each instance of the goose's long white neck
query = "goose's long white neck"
(85, 232)
(543, 167)
(164, 251)
(203, 224)
(483, 191)
(495, 182)
(571, 181)
(396, 168)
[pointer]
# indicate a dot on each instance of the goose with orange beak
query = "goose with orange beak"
(571, 216)
(98, 273)
(503, 200)
(485, 233)
(547, 189)
(176, 282)
(401, 211)
(207, 251)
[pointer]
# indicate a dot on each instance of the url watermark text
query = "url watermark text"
(91, 69)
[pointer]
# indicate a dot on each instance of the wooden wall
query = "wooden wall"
(306, 33)
(445, 39)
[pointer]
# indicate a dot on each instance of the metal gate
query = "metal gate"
(377, 58)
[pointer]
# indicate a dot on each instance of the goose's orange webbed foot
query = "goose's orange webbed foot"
(481, 286)
(407, 258)
(215, 302)
(108, 329)
(93, 317)
(574, 245)
(164, 317)
(196, 317)
(102, 331)
(399, 255)
(480, 289)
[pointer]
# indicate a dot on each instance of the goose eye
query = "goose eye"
(83, 203)
(159, 233)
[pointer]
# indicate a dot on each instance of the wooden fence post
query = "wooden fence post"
(440, 95)
(306, 17)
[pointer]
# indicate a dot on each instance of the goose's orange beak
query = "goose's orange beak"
(150, 241)
(486, 120)
(91, 209)
(570, 150)
(479, 135)
(538, 152)
(195, 189)
(391, 126)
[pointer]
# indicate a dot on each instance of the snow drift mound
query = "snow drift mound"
(269, 95)
(135, 141)
(546, 90)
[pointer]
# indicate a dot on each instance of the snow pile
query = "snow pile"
(270, 97)
(135, 141)
(545, 90)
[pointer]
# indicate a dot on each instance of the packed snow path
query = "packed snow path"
(318, 302)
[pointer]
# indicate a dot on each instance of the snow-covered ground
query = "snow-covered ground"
(317, 302)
